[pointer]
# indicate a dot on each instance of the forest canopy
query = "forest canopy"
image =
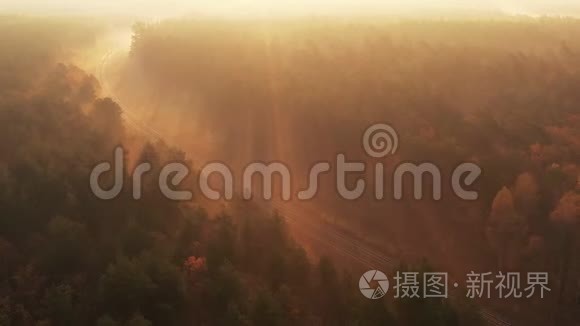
(502, 93)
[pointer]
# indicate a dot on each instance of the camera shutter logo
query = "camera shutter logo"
(373, 293)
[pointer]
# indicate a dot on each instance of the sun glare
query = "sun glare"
(242, 8)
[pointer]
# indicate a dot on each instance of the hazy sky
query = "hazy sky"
(162, 8)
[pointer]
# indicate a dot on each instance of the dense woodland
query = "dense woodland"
(67, 258)
(502, 93)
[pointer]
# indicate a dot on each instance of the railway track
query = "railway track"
(350, 248)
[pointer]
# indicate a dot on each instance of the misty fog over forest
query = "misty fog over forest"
(492, 83)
